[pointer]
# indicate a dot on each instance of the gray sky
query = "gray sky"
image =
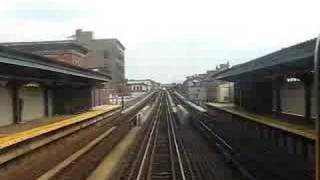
(169, 39)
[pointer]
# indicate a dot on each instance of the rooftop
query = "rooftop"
(89, 35)
(296, 58)
(11, 57)
(35, 46)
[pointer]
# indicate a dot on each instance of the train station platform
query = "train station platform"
(13, 134)
(306, 131)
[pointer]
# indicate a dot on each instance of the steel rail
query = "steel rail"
(170, 136)
(60, 166)
(188, 159)
(71, 160)
(169, 119)
(155, 123)
(156, 151)
(152, 153)
(225, 148)
(153, 113)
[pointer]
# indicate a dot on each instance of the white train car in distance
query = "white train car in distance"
(171, 103)
(183, 115)
(191, 104)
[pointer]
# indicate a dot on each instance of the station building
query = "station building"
(105, 56)
(35, 87)
(273, 112)
(279, 83)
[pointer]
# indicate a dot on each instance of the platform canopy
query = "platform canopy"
(26, 66)
(292, 60)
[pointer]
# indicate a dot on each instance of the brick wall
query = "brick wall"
(68, 58)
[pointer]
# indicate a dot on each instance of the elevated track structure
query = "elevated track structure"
(66, 150)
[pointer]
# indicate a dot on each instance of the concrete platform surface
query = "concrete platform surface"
(28, 130)
(306, 131)
(14, 128)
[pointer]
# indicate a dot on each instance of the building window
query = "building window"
(121, 57)
(105, 54)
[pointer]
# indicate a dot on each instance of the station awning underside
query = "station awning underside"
(25, 66)
(292, 60)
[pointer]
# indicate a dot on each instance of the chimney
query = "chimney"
(83, 36)
(78, 33)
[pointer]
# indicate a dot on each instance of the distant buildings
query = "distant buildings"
(169, 85)
(194, 88)
(201, 88)
(137, 87)
(217, 90)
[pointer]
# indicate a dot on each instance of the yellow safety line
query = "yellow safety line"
(286, 126)
(24, 135)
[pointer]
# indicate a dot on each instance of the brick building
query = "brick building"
(64, 51)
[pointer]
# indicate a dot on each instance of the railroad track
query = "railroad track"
(69, 153)
(161, 165)
(170, 150)
(245, 150)
(207, 161)
(131, 167)
(159, 156)
(84, 161)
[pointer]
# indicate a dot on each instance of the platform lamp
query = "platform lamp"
(316, 90)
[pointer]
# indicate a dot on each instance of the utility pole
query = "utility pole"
(122, 91)
(316, 90)
(122, 94)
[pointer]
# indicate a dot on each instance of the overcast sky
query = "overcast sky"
(167, 40)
